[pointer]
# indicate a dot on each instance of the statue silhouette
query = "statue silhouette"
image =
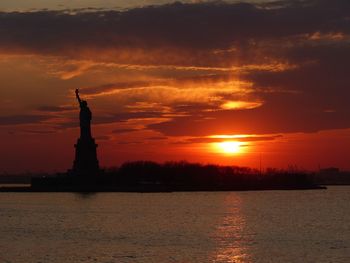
(85, 117)
(86, 162)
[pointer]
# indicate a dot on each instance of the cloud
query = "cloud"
(111, 88)
(23, 119)
(122, 117)
(201, 34)
(219, 139)
(125, 130)
(55, 108)
(236, 105)
(278, 117)
(103, 138)
(38, 131)
(285, 63)
(179, 82)
(130, 143)
(157, 138)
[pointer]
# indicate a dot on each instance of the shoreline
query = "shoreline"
(148, 189)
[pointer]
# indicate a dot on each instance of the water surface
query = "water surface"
(261, 226)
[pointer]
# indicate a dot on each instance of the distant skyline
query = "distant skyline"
(212, 82)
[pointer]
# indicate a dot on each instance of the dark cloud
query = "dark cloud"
(103, 138)
(197, 32)
(130, 142)
(126, 130)
(111, 118)
(23, 119)
(125, 116)
(55, 108)
(268, 119)
(321, 83)
(157, 138)
(38, 131)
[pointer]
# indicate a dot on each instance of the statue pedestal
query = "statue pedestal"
(85, 162)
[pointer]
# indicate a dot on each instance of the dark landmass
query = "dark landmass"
(332, 176)
(16, 178)
(146, 176)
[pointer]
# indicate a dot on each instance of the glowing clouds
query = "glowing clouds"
(240, 105)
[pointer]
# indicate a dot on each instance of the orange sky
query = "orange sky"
(167, 82)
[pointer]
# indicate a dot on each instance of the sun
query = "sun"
(229, 147)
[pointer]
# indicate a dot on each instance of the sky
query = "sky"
(244, 83)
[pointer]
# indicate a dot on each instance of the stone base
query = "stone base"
(85, 162)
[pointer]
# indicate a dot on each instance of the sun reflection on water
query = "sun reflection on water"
(229, 235)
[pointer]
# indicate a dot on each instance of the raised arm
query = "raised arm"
(77, 95)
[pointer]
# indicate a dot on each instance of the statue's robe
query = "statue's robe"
(85, 122)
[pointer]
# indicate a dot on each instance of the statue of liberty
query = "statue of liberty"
(85, 162)
(85, 118)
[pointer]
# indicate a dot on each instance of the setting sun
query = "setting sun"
(229, 147)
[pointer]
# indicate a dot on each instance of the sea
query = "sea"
(253, 226)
